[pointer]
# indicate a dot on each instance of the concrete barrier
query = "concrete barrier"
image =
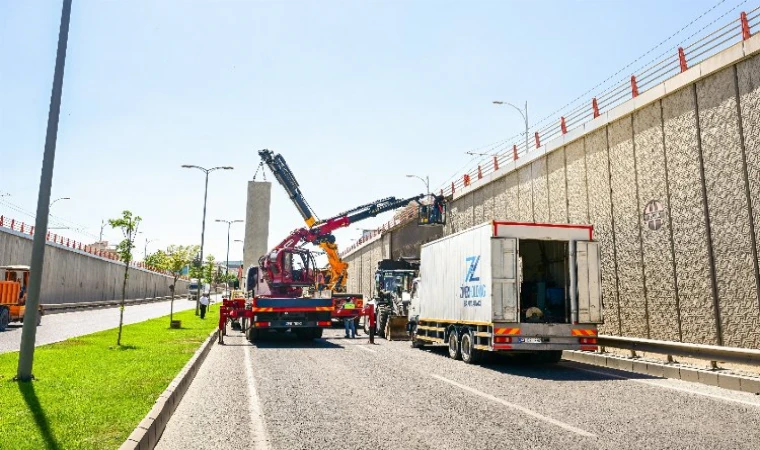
(74, 276)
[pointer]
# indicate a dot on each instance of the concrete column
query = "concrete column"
(256, 222)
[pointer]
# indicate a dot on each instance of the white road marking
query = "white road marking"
(258, 430)
(653, 383)
(361, 347)
(522, 409)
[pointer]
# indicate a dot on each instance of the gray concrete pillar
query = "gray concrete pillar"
(256, 222)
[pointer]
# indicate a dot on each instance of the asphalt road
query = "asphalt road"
(58, 327)
(337, 393)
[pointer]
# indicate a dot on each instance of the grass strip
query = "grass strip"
(90, 394)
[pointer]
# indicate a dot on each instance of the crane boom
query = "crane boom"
(284, 175)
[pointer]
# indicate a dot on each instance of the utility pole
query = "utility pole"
(227, 265)
(523, 114)
(29, 331)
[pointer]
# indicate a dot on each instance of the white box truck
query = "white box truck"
(511, 287)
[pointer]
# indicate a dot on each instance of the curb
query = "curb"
(148, 432)
(676, 371)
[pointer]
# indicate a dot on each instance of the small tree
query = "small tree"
(177, 258)
(157, 260)
(128, 225)
(208, 269)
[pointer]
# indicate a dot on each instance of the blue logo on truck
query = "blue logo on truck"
(471, 289)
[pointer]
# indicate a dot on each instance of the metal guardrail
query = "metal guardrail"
(697, 351)
(55, 308)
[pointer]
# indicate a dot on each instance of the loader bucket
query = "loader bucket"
(395, 329)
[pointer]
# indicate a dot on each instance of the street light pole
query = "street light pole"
(203, 227)
(523, 114)
(425, 180)
(58, 199)
(145, 251)
(29, 331)
(227, 265)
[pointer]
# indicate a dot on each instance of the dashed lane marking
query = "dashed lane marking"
(258, 430)
(522, 409)
(675, 388)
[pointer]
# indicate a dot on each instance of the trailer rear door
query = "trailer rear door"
(504, 279)
(589, 282)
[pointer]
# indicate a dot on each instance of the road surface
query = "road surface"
(58, 327)
(337, 393)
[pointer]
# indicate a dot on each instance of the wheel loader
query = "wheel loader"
(393, 286)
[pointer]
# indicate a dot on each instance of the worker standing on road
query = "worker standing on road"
(349, 321)
(204, 304)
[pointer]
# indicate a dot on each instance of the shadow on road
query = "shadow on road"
(30, 397)
(519, 365)
(274, 340)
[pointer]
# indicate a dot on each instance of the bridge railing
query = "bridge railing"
(695, 49)
(25, 228)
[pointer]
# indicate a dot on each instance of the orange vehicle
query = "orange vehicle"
(15, 280)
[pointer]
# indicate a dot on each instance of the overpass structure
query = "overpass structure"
(669, 176)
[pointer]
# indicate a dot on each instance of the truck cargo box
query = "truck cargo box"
(512, 272)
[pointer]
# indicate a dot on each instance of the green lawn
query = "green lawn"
(89, 394)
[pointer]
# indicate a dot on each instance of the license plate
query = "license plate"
(530, 340)
(294, 324)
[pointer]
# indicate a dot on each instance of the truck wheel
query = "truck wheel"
(317, 333)
(455, 351)
(382, 321)
(5, 318)
(546, 357)
(253, 335)
(470, 354)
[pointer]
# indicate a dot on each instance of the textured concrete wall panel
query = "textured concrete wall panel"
(557, 185)
(540, 191)
(600, 216)
(728, 209)
(655, 230)
(500, 199)
(627, 241)
(367, 271)
(525, 193)
(468, 211)
(748, 73)
(577, 194)
(687, 214)
(513, 196)
(488, 202)
(478, 201)
(405, 241)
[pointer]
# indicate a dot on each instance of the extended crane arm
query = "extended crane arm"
(284, 175)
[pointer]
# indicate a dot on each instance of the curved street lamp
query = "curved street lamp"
(523, 114)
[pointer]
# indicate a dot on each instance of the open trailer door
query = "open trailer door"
(504, 279)
(589, 282)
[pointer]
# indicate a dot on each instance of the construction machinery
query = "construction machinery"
(393, 287)
(13, 286)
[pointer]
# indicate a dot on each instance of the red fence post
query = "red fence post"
(634, 87)
(514, 152)
(441, 192)
(745, 26)
(595, 107)
(466, 179)
(31, 230)
(480, 172)
(495, 163)
(563, 125)
(452, 188)
(682, 59)
(538, 141)
(13, 222)
(22, 227)
(1, 220)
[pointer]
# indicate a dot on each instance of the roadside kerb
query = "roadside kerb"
(149, 430)
(720, 378)
(56, 308)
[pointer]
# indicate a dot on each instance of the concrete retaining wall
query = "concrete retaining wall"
(72, 276)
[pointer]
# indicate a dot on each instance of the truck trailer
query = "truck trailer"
(509, 287)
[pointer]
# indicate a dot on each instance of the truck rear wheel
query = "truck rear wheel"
(455, 352)
(317, 333)
(5, 318)
(470, 354)
(253, 334)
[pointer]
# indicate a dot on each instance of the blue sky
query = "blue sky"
(354, 94)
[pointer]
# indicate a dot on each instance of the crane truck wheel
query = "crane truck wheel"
(5, 318)
(470, 354)
(455, 352)
(253, 334)
(317, 333)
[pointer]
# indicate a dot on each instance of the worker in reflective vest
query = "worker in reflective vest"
(349, 321)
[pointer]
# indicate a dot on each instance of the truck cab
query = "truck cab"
(14, 282)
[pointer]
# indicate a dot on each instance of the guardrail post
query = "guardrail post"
(466, 179)
(480, 172)
(538, 142)
(495, 163)
(2, 218)
(746, 34)
(634, 87)
(452, 188)
(595, 107)
(682, 59)
(31, 230)
(514, 152)
(563, 125)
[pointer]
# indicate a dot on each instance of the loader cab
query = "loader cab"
(14, 281)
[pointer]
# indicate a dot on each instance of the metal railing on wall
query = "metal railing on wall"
(25, 228)
(669, 65)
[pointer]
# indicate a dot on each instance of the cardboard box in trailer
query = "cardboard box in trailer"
(509, 286)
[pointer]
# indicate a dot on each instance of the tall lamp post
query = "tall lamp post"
(425, 180)
(148, 241)
(227, 265)
(203, 227)
(523, 114)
